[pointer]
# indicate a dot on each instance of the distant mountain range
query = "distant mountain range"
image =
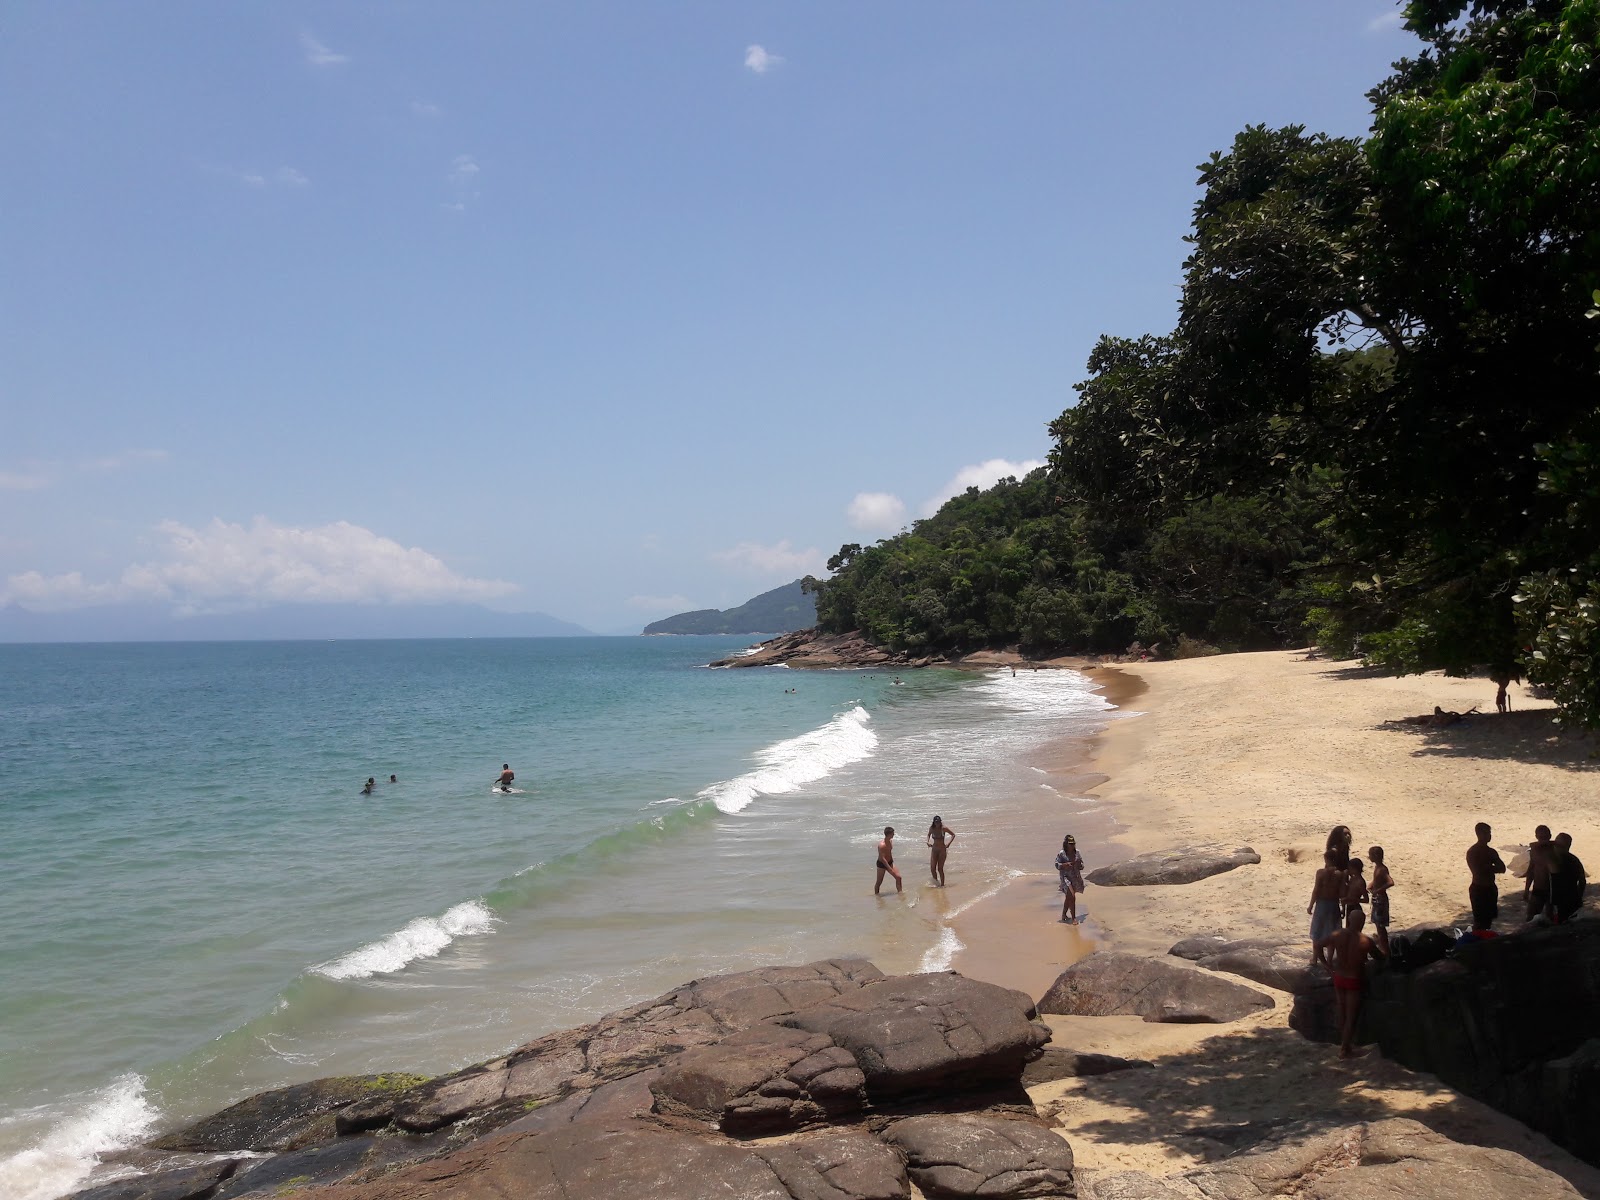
(781, 610)
(287, 622)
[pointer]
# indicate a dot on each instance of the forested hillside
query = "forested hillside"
(1375, 424)
(779, 611)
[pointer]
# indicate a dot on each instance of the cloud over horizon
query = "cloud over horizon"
(877, 512)
(317, 54)
(780, 558)
(758, 59)
(230, 566)
(979, 475)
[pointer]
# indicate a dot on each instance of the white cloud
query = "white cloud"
(319, 55)
(422, 108)
(252, 177)
(30, 479)
(1389, 20)
(877, 512)
(661, 604)
(223, 565)
(462, 180)
(980, 475)
(780, 558)
(34, 475)
(757, 59)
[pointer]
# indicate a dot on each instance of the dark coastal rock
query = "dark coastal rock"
(1115, 985)
(198, 1182)
(318, 1165)
(963, 1155)
(1199, 945)
(284, 1118)
(815, 649)
(919, 1032)
(762, 1080)
(1053, 1064)
(1283, 968)
(838, 1166)
(1182, 865)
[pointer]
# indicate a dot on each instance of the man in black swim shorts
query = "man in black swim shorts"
(885, 863)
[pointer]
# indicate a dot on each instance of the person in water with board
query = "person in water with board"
(506, 776)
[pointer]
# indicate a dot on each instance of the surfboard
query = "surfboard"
(497, 790)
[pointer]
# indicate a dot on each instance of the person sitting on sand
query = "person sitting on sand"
(1323, 909)
(1382, 881)
(1339, 844)
(366, 788)
(1347, 951)
(1536, 884)
(1355, 888)
(1568, 880)
(1483, 894)
(940, 838)
(1069, 867)
(885, 862)
(506, 776)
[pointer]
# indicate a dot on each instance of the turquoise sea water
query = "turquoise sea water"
(197, 903)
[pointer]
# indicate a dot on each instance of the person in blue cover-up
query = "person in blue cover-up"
(1069, 866)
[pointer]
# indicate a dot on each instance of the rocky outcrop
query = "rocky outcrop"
(1053, 1064)
(951, 1157)
(198, 1182)
(1114, 985)
(1382, 1160)
(813, 648)
(284, 1119)
(1283, 968)
(1185, 864)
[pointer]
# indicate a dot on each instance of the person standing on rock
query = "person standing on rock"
(1382, 881)
(1347, 951)
(1568, 880)
(940, 838)
(1536, 886)
(1483, 860)
(1069, 866)
(1323, 909)
(886, 862)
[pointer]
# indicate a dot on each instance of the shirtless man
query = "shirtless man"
(1483, 860)
(1382, 881)
(1355, 888)
(1536, 886)
(1324, 906)
(1568, 879)
(506, 776)
(1347, 950)
(885, 862)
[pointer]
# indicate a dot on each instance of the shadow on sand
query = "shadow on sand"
(1530, 736)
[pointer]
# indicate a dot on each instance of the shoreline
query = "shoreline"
(1287, 747)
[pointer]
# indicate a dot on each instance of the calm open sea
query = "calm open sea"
(197, 903)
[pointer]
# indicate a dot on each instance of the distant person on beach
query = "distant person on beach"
(1069, 867)
(1483, 860)
(1323, 909)
(1355, 887)
(1568, 880)
(1536, 885)
(1339, 845)
(366, 788)
(507, 775)
(940, 837)
(1347, 951)
(885, 863)
(1382, 881)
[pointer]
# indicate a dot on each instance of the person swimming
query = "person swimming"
(366, 788)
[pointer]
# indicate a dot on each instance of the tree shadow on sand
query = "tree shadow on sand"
(1356, 671)
(1236, 1090)
(1528, 736)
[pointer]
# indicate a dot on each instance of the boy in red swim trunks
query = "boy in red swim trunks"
(1348, 950)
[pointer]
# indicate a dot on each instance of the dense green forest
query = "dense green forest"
(779, 611)
(1375, 425)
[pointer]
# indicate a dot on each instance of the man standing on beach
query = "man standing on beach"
(886, 862)
(1483, 860)
(1536, 886)
(1347, 951)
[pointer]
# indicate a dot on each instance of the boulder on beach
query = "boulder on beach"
(964, 1155)
(1128, 985)
(1185, 864)
(1284, 968)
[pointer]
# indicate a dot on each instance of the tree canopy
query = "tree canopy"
(1375, 422)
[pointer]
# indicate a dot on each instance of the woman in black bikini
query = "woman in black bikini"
(938, 832)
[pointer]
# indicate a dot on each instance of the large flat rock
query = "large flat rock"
(961, 1155)
(1127, 985)
(1184, 864)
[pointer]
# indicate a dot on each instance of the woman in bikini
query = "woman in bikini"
(940, 837)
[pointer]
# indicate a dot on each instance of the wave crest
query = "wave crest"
(426, 937)
(785, 766)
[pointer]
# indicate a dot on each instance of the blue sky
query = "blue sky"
(607, 310)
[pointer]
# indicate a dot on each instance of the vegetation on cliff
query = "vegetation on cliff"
(781, 610)
(1375, 423)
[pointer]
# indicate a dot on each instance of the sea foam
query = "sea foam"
(787, 765)
(426, 937)
(113, 1118)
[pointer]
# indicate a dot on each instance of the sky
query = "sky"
(605, 310)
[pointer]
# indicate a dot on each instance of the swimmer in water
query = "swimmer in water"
(506, 776)
(366, 788)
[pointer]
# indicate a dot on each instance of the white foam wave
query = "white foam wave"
(787, 765)
(111, 1119)
(426, 937)
(942, 953)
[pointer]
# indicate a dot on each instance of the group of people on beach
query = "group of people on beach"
(1552, 886)
(939, 838)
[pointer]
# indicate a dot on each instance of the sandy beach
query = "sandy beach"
(1270, 751)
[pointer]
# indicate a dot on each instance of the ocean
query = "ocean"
(197, 902)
